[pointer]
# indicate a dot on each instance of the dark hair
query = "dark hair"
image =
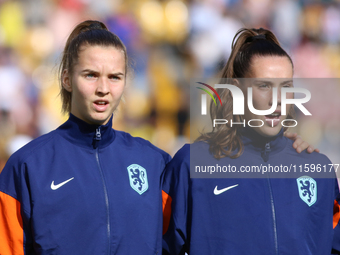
(224, 140)
(251, 43)
(89, 32)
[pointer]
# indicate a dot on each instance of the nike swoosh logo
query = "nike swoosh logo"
(217, 192)
(54, 187)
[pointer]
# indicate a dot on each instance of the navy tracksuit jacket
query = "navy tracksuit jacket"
(258, 216)
(82, 189)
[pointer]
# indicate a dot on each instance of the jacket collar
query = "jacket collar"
(87, 135)
(265, 145)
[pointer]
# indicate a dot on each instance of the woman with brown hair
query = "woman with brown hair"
(244, 215)
(85, 188)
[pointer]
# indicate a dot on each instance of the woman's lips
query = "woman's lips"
(101, 105)
(273, 119)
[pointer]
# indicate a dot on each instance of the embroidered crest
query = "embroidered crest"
(138, 178)
(307, 189)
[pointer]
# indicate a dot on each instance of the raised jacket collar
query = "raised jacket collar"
(260, 144)
(87, 135)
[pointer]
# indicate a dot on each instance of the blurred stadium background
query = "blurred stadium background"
(169, 42)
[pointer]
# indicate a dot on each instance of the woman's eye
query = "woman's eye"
(115, 78)
(264, 86)
(288, 85)
(90, 75)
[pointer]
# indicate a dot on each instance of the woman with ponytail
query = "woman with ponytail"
(85, 188)
(266, 215)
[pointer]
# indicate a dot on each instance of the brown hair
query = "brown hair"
(224, 140)
(92, 33)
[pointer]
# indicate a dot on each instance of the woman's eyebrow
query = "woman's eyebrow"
(259, 80)
(88, 71)
(287, 82)
(93, 71)
(117, 73)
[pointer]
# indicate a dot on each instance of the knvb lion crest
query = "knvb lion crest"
(307, 189)
(138, 178)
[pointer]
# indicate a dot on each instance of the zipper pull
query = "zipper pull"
(98, 134)
(97, 137)
(265, 152)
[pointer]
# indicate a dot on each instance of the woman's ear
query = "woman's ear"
(66, 79)
(242, 84)
(236, 82)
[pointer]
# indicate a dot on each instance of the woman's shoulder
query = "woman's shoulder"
(304, 154)
(33, 147)
(36, 150)
(304, 158)
(139, 144)
(202, 146)
(190, 151)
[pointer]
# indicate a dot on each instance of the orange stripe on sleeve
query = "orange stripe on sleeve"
(166, 210)
(11, 230)
(336, 213)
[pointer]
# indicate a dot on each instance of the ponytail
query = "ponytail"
(247, 44)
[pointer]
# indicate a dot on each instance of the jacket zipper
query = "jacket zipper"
(265, 156)
(97, 139)
(274, 217)
(265, 152)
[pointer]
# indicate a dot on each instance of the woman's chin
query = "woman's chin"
(268, 131)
